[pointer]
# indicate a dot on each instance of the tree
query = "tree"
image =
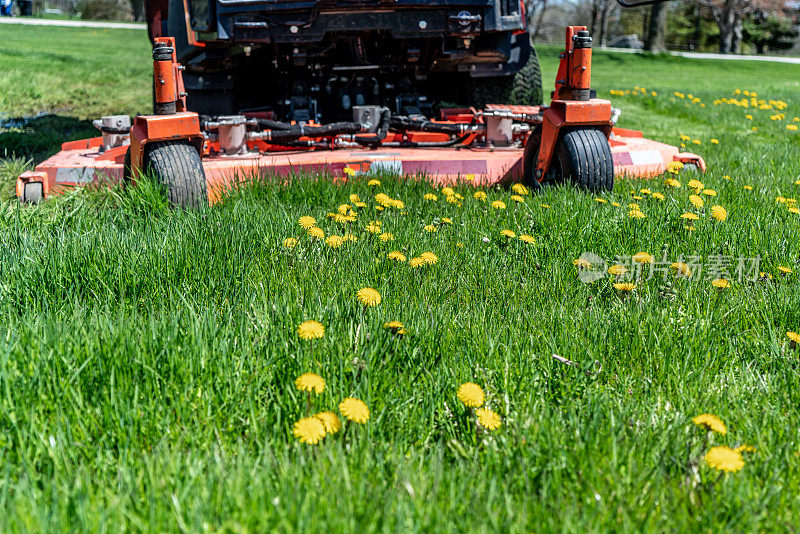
(657, 29)
(137, 9)
(769, 32)
(601, 13)
(729, 16)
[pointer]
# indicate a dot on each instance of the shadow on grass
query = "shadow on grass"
(38, 138)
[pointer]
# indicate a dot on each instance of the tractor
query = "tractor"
(448, 91)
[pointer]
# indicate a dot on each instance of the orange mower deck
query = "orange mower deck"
(81, 163)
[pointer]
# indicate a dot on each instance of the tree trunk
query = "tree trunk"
(137, 9)
(603, 25)
(657, 29)
(593, 27)
(539, 19)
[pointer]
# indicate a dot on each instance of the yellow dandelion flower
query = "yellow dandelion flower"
(784, 270)
(724, 459)
(637, 197)
(316, 232)
(431, 228)
(446, 220)
(386, 236)
(397, 203)
(349, 171)
(719, 213)
(310, 382)
(695, 184)
(517, 198)
(430, 258)
(657, 196)
(396, 256)
(417, 262)
(430, 196)
(709, 192)
(714, 141)
(508, 233)
(448, 191)
(672, 182)
(796, 211)
(479, 195)
(642, 257)
(720, 283)
(330, 421)
(310, 330)
(697, 201)
(624, 287)
(373, 228)
(290, 242)
(393, 325)
(745, 448)
(780, 200)
(488, 419)
(519, 189)
(545, 206)
(615, 204)
(374, 182)
(355, 410)
(633, 206)
(617, 270)
(582, 263)
(306, 222)
(525, 238)
(794, 336)
(354, 199)
(368, 296)
(645, 191)
(690, 216)
(601, 200)
(682, 268)
(309, 430)
(349, 237)
(710, 422)
(747, 187)
(471, 395)
(636, 214)
(499, 204)
(334, 241)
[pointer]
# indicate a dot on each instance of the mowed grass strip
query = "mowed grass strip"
(148, 356)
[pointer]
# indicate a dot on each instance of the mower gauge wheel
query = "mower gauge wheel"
(32, 194)
(177, 166)
(582, 157)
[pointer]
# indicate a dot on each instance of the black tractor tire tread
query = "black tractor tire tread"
(586, 157)
(177, 166)
(524, 88)
(527, 87)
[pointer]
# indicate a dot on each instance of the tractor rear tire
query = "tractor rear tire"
(582, 157)
(177, 167)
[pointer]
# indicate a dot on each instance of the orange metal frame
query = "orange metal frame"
(565, 111)
(86, 161)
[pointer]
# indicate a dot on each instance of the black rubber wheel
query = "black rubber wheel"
(32, 193)
(524, 88)
(127, 172)
(582, 157)
(177, 166)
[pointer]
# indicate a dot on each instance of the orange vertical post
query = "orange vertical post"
(164, 76)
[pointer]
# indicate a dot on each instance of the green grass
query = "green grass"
(147, 356)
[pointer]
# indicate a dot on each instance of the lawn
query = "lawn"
(148, 357)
